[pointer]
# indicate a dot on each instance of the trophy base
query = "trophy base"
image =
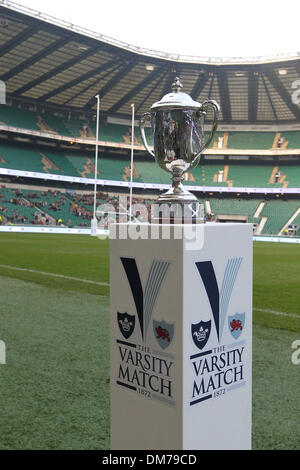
(177, 212)
(177, 195)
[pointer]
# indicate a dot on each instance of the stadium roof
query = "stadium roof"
(44, 60)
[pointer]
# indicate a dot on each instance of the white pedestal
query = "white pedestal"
(181, 338)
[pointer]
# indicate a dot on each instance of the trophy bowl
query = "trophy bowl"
(177, 123)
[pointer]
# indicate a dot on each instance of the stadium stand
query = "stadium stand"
(290, 175)
(28, 206)
(292, 139)
(15, 209)
(296, 221)
(114, 167)
(120, 133)
(69, 127)
(234, 206)
(48, 127)
(48, 207)
(277, 213)
(18, 118)
(21, 158)
(250, 140)
(249, 175)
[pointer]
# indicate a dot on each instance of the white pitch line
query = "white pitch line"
(87, 281)
(43, 273)
(274, 312)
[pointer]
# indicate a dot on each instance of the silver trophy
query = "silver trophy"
(178, 138)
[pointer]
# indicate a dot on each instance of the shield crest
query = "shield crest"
(201, 333)
(236, 324)
(163, 332)
(126, 324)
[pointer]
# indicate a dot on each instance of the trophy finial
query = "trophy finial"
(177, 85)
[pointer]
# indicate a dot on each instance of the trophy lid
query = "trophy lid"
(176, 99)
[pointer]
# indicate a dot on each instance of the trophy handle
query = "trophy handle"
(145, 118)
(216, 108)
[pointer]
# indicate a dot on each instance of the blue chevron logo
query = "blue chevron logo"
(219, 299)
(145, 299)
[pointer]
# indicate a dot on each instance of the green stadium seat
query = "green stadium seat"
(234, 206)
(293, 139)
(21, 158)
(243, 175)
(278, 213)
(250, 140)
(18, 118)
(56, 124)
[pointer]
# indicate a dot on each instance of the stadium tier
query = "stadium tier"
(277, 211)
(69, 127)
(116, 168)
(256, 140)
(45, 138)
(120, 133)
(26, 206)
(234, 206)
(296, 222)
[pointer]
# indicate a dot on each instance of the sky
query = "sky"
(211, 28)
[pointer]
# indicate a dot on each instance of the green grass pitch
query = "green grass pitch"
(54, 388)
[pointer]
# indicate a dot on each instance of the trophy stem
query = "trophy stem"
(177, 193)
(177, 205)
(177, 177)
